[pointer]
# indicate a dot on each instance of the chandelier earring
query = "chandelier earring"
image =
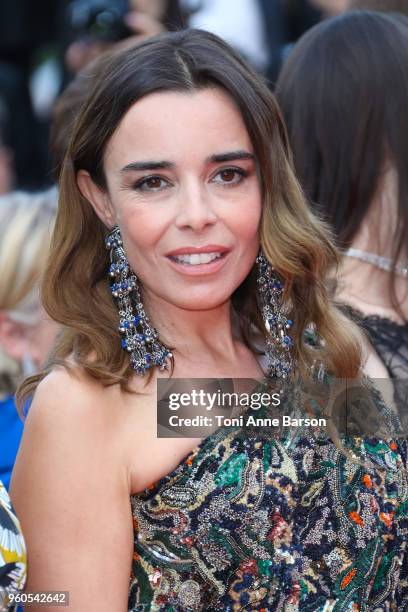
(278, 342)
(139, 338)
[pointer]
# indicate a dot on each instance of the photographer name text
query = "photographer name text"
(245, 421)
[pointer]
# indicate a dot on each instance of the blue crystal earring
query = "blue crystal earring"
(278, 342)
(139, 337)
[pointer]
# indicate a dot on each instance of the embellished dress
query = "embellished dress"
(12, 552)
(253, 522)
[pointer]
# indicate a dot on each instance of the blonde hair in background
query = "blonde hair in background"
(26, 225)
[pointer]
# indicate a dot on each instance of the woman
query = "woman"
(26, 336)
(344, 94)
(26, 333)
(177, 171)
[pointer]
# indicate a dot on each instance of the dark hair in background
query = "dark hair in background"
(344, 94)
(67, 109)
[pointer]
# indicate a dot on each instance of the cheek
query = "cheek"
(246, 219)
(141, 230)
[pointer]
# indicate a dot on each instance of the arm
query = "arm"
(70, 492)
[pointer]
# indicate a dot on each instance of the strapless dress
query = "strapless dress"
(252, 522)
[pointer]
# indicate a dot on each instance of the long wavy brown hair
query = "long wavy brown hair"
(75, 290)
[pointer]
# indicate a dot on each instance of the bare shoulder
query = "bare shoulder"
(72, 380)
(70, 489)
(65, 395)
(76, 429)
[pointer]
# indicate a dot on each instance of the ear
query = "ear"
(97, 197)
(13, 337)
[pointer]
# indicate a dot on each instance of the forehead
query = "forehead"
(171, 125)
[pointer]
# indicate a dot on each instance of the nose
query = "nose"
(195, 208)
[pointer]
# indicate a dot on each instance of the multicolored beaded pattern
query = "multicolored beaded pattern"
(253, 523)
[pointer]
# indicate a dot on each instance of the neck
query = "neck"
(368, 287)
(362, 284)
(213, 333)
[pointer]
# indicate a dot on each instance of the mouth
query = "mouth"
(198, 261)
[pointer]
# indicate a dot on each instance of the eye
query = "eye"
(230, 176)
(151, 183)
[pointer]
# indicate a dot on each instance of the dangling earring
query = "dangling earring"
(278, 342)
(140, 338)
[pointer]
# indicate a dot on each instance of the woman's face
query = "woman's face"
(182, 184)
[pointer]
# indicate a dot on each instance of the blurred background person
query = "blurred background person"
(26, 332)
(386, 6)
(344, 94)
(29, 37)
(261, 30)
(43, 45)
(94, 26)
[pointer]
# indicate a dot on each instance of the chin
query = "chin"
(200, 302)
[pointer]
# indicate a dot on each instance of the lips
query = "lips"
(192, 250)
(198, 260)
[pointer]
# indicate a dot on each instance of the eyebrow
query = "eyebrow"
(230, 156)
(147, 165)
(165, 165)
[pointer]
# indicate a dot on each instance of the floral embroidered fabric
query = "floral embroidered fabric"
(249, 522)
(12, 551)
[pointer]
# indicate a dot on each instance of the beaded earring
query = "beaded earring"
(139, 337)
(278, 342)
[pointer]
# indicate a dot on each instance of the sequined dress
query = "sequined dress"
(257, 523)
